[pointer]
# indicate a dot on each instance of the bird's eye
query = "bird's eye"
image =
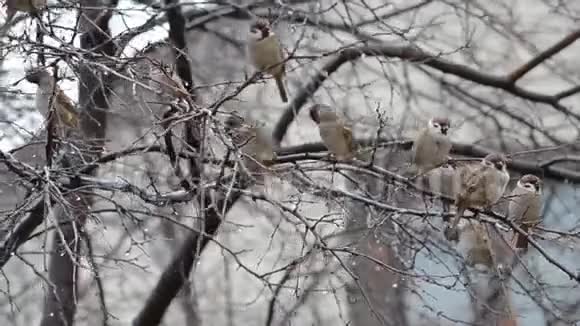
(529, 186)
(436, 125)
(499, 165)
(532, 187)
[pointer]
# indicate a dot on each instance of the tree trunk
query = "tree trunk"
(61, 297)
(377, 298)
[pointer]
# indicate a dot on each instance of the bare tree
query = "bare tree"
(152, 200)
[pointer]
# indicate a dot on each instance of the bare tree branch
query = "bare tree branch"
(392, 223)
(177, 272)
(412, 54)
(567, 93)
(285, 155)
(61, 300)
(543, 56)
(22, 231)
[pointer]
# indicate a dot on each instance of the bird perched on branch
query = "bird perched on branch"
(481, 186)
(524, 208)
(166, 83)
(431, 147)
(266, 54)
(254, 143)
(48, 93)
(335, 135)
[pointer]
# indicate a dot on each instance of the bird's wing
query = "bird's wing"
(472, 177)
(282, 56)
(514, 207)
(523, 206)
(418, 148)
(66, 109)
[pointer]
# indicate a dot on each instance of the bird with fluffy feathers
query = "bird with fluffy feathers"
(481, 185)
(265, 52)
(49, 93)
(525, 203)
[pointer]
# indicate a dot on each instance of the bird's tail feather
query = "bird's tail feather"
(451, 233)
(522, 240)
(282, 88)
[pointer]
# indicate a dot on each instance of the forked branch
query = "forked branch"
(413, 54)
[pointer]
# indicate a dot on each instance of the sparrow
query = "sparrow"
(431, 147)
(47, 92)
(266, 54)
(254, 143)
(165, 82)
(480, 186)
(525, 203)
(335, 135)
